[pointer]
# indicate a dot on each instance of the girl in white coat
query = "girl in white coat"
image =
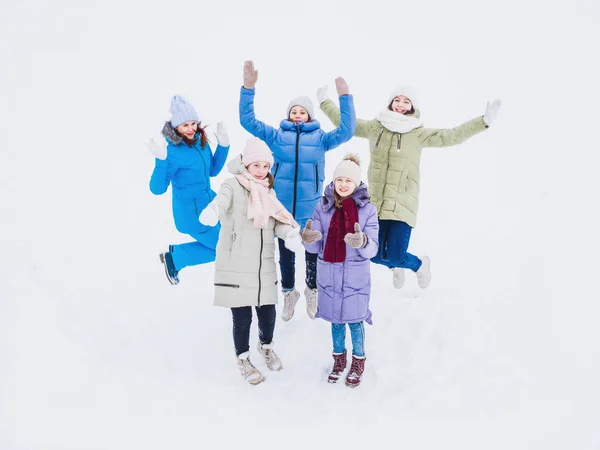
(245, 271)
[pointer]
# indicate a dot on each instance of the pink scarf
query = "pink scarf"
(263, 202)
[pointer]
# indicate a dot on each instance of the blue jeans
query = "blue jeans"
(287, 265)
(242, 319)
(394, 237)
(357, 333)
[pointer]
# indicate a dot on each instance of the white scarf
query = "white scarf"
(398, 123)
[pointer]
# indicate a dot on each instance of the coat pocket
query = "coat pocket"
(235, 286)
(324, 274)
(358, 275)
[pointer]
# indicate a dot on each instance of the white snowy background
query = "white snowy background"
(99, 352)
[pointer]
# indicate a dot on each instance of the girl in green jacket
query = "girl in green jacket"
(396, 138)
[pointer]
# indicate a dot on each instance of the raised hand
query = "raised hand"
(159, 150)
(322, 94)
(491, 112)
(250, 75)
(356, 239)
(221, 135)
(308, 235)
(341, 86)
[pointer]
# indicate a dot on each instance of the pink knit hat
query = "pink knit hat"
(256, 150)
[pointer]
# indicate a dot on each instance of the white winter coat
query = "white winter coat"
(245, 271)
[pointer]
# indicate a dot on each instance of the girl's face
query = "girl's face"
(298, 113)
(401, 104)
(259, 169)
(188, 129)
(344, 186)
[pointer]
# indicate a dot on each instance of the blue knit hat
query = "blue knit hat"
(182, 111)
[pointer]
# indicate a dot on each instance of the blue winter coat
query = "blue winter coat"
(188, 170)
(344, 289)
(299, 153)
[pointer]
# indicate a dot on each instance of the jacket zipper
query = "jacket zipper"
(276, 170)
(260, 265)
(399, 140)
(378, 139)
(316, 178)
(296, 174)
(235, 286)
(206, 170)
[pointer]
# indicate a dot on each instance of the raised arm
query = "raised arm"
(437, 137)
(345, 130)
(217, 161)
(248, 119)
(161, 176)
(333, 113)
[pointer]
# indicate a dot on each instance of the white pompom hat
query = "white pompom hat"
(348, 167)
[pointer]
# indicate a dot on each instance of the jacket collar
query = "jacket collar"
(302, 127)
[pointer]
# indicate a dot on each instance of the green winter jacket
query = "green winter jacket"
(395, 159)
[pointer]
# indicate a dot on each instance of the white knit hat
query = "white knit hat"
(256, 150)
(348, 167)
(305, 102)
(406, 91)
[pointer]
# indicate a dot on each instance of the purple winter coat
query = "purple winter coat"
(345, 288)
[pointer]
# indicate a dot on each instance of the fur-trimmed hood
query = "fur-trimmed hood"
(170, 134)
(360, 196)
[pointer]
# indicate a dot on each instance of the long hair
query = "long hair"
(190, 142)
(336, 197)
(271, 180)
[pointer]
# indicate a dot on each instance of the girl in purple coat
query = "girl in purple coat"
(344, 232)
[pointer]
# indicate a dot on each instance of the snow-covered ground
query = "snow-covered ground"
(99, 352)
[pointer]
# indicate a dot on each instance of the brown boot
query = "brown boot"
(356, 371)
(339, 365)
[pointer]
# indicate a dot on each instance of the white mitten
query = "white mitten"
(221, 135)
(210, 215)
(322, 94)
(293, 242)
(491, 112)
(159, 150)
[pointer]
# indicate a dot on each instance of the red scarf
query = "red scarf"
(342, 223)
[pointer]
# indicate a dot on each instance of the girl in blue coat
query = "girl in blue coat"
(187, 162)
(298, 146)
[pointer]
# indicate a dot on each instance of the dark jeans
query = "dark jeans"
(287, 265)
(242, 319)
(394, 237)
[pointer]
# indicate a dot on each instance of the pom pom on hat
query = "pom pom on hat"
(256, 150)
(349, 167)
(406, 91)
(182, 111)
(305, 102)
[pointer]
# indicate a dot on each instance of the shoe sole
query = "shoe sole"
(428, 269)
(164, 263)
(254, 383)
